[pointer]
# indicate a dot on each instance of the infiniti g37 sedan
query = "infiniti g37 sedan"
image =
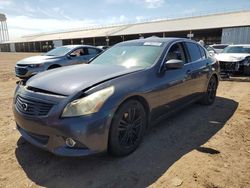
(58, 57)
(108, 104)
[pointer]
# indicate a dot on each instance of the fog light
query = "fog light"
(70, 142)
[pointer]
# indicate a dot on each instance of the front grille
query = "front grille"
(229, 66)
(32, 107)
(21, 71)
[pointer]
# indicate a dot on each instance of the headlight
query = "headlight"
(36, 65)
(89, 104)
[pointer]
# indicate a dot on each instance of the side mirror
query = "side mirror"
(69, 56)
(173, 64)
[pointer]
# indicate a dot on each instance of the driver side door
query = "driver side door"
(78, 56)
(174, 85)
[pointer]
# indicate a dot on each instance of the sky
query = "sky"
(26, 17)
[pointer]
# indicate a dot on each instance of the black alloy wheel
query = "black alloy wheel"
(127, 128)
(210, 95)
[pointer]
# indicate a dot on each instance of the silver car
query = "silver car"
(58, 57)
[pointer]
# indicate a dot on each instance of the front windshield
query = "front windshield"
(237, 49)
(131, 55)
(60, 51)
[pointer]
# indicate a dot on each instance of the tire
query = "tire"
(53, 67)
(210, 95)
(246, 70)
(127, 128)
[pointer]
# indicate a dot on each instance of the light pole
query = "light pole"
(107, 41)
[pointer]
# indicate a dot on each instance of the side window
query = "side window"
(203, 53)
(93, 51)
(78, 52)
(176, 52)
(194, 51)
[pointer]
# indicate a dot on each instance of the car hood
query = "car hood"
(231, 57)
(68, 80)
(36, 59)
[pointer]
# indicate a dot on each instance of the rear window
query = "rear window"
(219, 46)
(93, 51)
(194, 51)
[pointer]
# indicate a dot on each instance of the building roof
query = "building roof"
(222, 20)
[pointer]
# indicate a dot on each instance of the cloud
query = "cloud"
(153, 3)
(150, 4)
(139, 18)
(5, 3)
(17, 28)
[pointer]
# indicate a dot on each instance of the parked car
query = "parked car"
(218, 47)
(58, 57)
(235, 59)
(108, 104)
(211, 51)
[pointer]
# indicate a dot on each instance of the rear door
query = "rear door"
(78, 56)
(200, 65)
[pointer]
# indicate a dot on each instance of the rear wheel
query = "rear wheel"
(127, 128)
(210, 95)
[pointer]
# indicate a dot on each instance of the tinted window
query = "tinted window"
(93, 51)
(60, 51)
(203, 52)
(176, 52)
(78, 52)
(237, 49)
(194, 51)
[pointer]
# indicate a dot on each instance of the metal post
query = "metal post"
(40, 45)
(107, 41)
(34, 45)
(1, 38)
(7, 32)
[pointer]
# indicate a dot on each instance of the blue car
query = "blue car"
(108, 104)
(58, 57)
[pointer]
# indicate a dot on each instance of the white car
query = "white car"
(235, 59)
(219, 47)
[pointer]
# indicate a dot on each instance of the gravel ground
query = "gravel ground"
(202, 146)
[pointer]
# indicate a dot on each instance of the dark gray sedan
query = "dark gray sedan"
(58, 57)
(108, 104)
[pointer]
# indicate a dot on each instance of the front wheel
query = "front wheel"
(127, 128)
(210, 95)
(246, 70)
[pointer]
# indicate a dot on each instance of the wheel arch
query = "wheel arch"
(142, 100)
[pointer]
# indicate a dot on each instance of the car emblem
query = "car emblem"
(24, 106)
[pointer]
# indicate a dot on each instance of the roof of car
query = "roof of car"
(157, 39)
(79, 45)
(244, 45)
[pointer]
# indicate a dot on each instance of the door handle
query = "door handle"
(188, 72)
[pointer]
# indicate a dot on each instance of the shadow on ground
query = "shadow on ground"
(163, 145)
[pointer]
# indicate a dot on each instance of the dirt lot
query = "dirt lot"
(201, 147)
